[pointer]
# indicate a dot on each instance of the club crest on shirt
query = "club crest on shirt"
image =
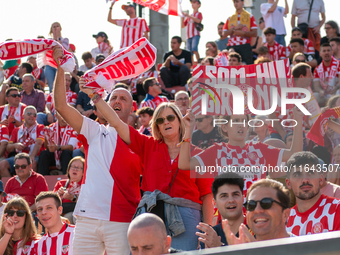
(26, 249)
(317, 228)
(65, 248)
(252, 156)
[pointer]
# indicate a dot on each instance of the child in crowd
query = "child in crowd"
(145, 115)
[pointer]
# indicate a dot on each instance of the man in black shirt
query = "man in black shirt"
(177, 64)
(227, 190)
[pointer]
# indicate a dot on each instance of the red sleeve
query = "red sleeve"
(145, 26)
(316, 75)
(40, 185)
(73, 99)
(272, 155)
(200, 16)
(283, 52)
(49, 99)
(4, 134)
(23, 106)
(57, 186)
(186, 22)
(40, 132)
(204, 183)
(253, 23)
(14, 135)
(1, 110)
(208, 156)
(288, 50)
(139, 143)
(225, 27)
(134, 104)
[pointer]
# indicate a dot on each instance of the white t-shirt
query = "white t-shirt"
(2, 209)
(274, 19)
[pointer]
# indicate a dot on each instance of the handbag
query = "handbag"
(199, 26)
(304, 26)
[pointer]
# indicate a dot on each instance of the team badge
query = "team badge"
(26, 249)
(317, 228)
(65, 248)
(252, 156)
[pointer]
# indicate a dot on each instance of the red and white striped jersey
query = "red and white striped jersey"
(240, 159)
(71, 98)
(322, 217)
(308, 48)
(239, 40)
(111, 170)
(55, 244)
(36, 72)
(326, 75)
(4, 134)
(191, 30)
(147, 74)
(277, 51)
(24, 250)
(132, 30)
(153, 102)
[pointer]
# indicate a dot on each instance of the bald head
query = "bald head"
(121, 102)
(147, 235)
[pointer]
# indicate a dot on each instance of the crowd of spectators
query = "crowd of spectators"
(128, 159)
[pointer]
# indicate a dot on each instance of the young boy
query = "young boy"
(193, 35)
(145, 115)
(88, 62)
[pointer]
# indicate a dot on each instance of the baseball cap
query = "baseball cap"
(73, 47)
(103, 34)
(124, 6)
(100, 56)
(2, 188)
(296, 29)
(199, 1)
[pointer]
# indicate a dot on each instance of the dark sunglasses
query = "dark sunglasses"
(170, 118)
(20, 166)
(299, 60)
(266, 203)
(20, 213)
(157, 84)
(15, 95)
(31, 114)
(200, 119)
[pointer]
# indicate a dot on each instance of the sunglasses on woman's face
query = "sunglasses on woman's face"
(170, 118)
(20, 213)
(299, 60)
(266, 203)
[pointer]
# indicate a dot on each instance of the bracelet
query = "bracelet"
(188, 140)
(96, 98)
(110, 8)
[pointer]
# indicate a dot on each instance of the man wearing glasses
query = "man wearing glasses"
(314, 212)
(26, 183)
(28, 138)
(182, 101)
(153, 91)
(267, 208)
(12, 113)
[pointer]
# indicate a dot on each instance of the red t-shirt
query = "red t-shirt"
(72, 188)
(31, 188)
(323, 216)
(159, 172)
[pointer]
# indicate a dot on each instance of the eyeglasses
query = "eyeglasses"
(266, 203)
(20, 166)
(182, 99)
(299, 60)
(15, 95)
(76, 168)
(20, 213)
(161, 120)
(200, 119)
(157, 84)
(31, 114)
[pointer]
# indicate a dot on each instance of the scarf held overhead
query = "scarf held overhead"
(28, 47)
(124, 64)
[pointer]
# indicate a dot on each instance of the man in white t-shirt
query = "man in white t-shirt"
(273, 17)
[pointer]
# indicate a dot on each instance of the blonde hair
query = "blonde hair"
(29, 231)
(160, 108)
(50, 33)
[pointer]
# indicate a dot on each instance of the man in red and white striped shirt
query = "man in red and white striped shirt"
(59, 237)
(276, 51)
(153, 90)
(133, 28)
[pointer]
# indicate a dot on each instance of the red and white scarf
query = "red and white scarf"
(27, 136)
(27, 47)
(12, 111)
(124, 64)
(36, 72)
(222, 59)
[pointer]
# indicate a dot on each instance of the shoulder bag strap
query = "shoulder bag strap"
(172, 182)
(310, 10)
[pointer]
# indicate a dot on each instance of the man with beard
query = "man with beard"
(313, 212)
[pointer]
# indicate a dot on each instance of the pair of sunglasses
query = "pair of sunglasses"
(200, 119)
(31, 114)
(20, 166)
(15, 95)
(266, 203)
(170, 118)
(20, 213)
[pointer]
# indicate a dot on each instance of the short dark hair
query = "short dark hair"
(178, 38)
(48, 194)
(335, 39)
(262, 50)
(235, 55)
(148, 83)
(28, 66)
(298, 40)
(23, 155)
(86, 55)
(11, 89)
(227, 178)
(210, 59)
(121, 85)
(269, 30)
(282, 193)
(147, 110)
(325, 45)
(301, 158)
(300, 69)
(221, 23)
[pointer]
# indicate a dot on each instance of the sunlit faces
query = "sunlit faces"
(76, 171)
(68, 80)
(220, 30)
(304, 181)
(195, 4)
(334, 47)
(330, 31)
(238, 4)
(233, 61)
(266, 223)
(238, 130)
(169, 128)
(22, 168)
(100, 39)
(175, 44)
(13, 98)
(155, 88)
(296, 47)
(229, 201)
(203, 122)
(55, 28)
(121, 103)
(19, 222)
(270, 38)
(326, 53)
(49, 214)
(296, 34)
(27, 83)
(30, 117)
(88, 63)
(145, 119)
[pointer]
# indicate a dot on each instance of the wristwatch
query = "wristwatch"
(59, 149)
(74, 199)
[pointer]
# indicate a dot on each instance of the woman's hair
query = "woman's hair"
(29, 231)
(210, 59)
(334, 25)
(331, 102)
(70, 163)
(50, 33)
(108, 42)
(215, 48)
(160, 108)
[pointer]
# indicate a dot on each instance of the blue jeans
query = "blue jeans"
(50, 73)
(192, 43)
(281, 39)
(188, 240)
(78, 152)
(42, 119)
